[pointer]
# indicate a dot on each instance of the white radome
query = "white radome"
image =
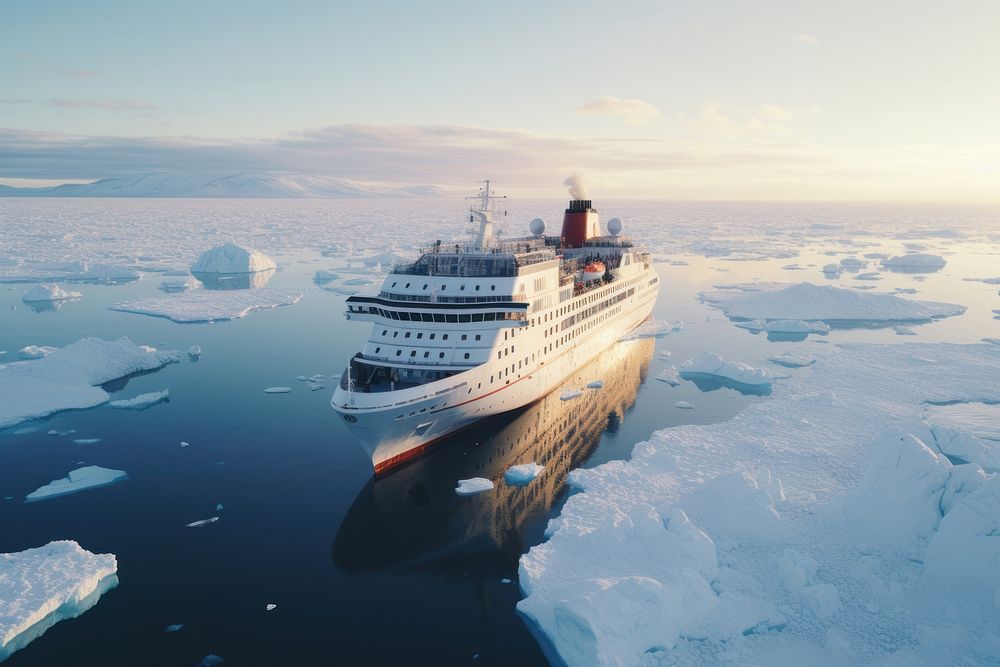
(537, 227)
(615, 226)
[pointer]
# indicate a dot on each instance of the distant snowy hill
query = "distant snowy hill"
(231, 185)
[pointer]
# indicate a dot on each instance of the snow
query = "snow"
(70, 378)
(806, 301)
(915, 262)
(36, 351)
(792, 359)
(823, 525)
(81, 479)
(210, 305)
(142, 401)
(683, 405)
(570, 394)
(232, 258)
(277, 390)
(40, 587)
(707, 363)
(473, 486)
(522, 474)
(48, 292)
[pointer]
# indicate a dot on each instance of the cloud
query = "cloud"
(95, 104)
(741, 124)
(804, 38)
(632, 111)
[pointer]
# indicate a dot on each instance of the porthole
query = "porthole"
(493, 288)
(398, 352)
(477, 288)
(377, 350)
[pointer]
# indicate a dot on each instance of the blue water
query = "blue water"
(363, 572)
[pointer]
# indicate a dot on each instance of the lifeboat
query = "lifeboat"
(593, 271)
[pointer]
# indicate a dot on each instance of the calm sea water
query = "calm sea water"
(364, 572)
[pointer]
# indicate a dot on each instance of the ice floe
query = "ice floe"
(595, 384)
(142, 401)
(40, 587)
(194, 352)
(473, 486)
(794, 327)
(174, 627)
(210, 305)
(670, 376)
(915, 262)
(48, 292)
(202, 522)
(277, 390)
(792, 359)
(182, 285)
(81, 479)
(36, 351)
(70, 378)
(653, 329)
(806, 301)
(570, 394)
(709, 364)
(522, 474)
(683, 405)
(872, 548)
(270, 606)
(86, 441)
(232, 258)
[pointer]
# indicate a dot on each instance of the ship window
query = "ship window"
(465, 337)
(493, 288)
(407, 286)
(394, 314)
(377, 350)
(462, 288)
(498, 354)
(385, 331)
(394, 284)
(440, 355)
(478, 337)
(438, 317)
(444, 287)
(398, 352)
(477, 317)
(426, 354)
(413, 353)
(479, 385)
(477, 288)
(466, 355)
(425, 285)
(451, 318)
(432, 336)
(444, 336)
(489, 317)
(464, 318)
(427, 317)
(420, 335)
(505, 335)
(406, 335)
(395, 334)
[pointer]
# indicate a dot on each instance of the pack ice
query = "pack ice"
(830, 524)
(809, 302)
(210, 305)
(232, 258)
(70, 378)
(42, 586)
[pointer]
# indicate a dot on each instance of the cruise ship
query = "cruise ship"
(473, 330)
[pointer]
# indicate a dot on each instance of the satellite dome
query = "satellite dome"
(615, 226)
(537, 226)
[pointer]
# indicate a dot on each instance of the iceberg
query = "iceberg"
(81, 479)
(694, 552)
(473, 486)
(36, 351)
(809, 302)
(915, 263)
(706, 363)
(232, 258)
(210, 306)
(142, 401)
(670, 376)
(40, 587)
(522, 474)
(48, 292)
(70, 378)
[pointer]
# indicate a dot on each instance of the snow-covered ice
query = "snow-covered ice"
(709, 364)
(81, 479)
(915, 262)
(473, 486)
(232, 258)
(902, 330)
(792, 359)
(873, 548)
(653, 329)
(36, 351)
(210, 305)
(670, 376)
(142, 401)
(70, 378)
(40, 587)
(795, 327)
(182, 285)
(48, 292)
(806, 301)
(522, 474)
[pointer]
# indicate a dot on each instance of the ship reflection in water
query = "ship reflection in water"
(413, 518)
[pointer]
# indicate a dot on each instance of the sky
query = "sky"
(701, 100)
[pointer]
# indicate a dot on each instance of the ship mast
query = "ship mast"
(484, 210)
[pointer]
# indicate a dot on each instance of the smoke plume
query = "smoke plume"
(577, 187)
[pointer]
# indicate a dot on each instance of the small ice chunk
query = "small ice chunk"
(522, 474)
(185, 444)
(505, 580)
(570, 394)
(202, 522)
(670, 376)
(792, 359)
(52, 432)
(48, 292)
(218, 508)
(36, 351)
(904, 330)
(194, 351)
(596, 384)
(473, 486)
(40, 587)
(142, 401)
(271, 606)
(683, 405)
(86, 441)
(277, 390)
(871, 275)
(652, 329)
(81, 479)
(183, 285)
(174, 628)
(706, 363)
(211, 660)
